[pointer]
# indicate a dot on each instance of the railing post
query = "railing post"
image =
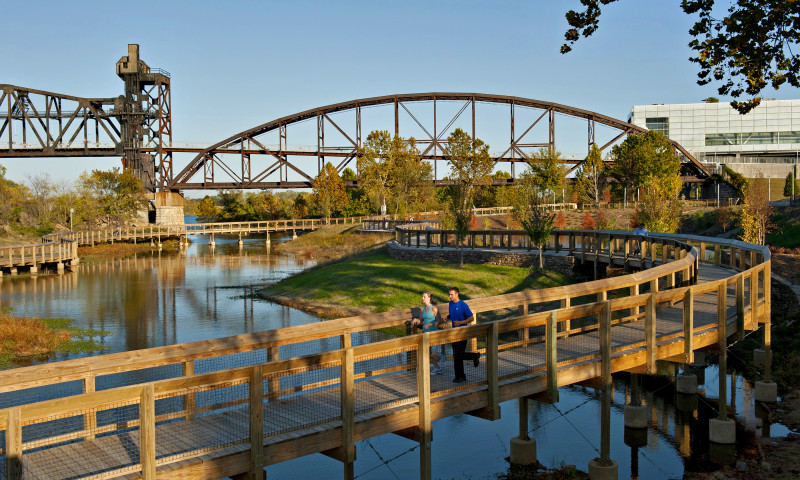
(274, 383)
(257, 423)
(688, 325)
(605, 342)
(722, 340)
(722, 315)
(147, 432)
(551, 339)
(492, 370)
(347, 387)
(14, 444)
(566, 303)
(740, 306)
(525, 332)
(89, 419)
(187, 370)
(754, 298)
(650, 333)
(424, 396)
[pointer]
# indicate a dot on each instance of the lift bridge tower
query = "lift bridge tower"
(145, 120)
(136, 126)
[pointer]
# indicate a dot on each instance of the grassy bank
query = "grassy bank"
(23, 339)
(377, 282)
(332, 243)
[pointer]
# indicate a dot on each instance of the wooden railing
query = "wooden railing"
(342, 344)
(147, 232)
(36, 254)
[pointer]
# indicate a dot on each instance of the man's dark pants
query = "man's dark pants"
(459, 355)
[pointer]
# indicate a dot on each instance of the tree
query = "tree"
(756, 213)
(119, 196)
(470, 170)
(547, 170)
(328, 194)
(749, 48)
(787, 187)
(529, 209)
(411, 179)
(658, 209)
(357, 202)
(207, 210)
(589, 179)
(42, 198)
(642, 158)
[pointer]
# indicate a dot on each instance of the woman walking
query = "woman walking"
(430, 320)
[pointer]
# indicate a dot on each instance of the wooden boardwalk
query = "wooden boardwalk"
(237, 420)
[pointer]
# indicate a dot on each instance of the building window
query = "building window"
(721, 139)
(659, 124)
(789, 137)
(759, 138)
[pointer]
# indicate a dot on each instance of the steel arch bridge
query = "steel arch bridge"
(249, 160)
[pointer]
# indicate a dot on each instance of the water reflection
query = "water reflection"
(159, 298)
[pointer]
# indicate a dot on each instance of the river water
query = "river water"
(153, 299)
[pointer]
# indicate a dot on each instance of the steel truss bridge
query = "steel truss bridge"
(138, 127)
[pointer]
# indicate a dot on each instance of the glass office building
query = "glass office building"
(715, 133)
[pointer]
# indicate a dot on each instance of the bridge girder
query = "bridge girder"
(135, 126)
(242, 147)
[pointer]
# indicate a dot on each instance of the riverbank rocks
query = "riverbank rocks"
(560, 262)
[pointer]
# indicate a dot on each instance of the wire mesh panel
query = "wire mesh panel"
(219, 419)
(582, 342)
(233, 360)
(522, 351)
(73, 446)
(308, 396)
(392, 381)
(136, 377)
(39, 394)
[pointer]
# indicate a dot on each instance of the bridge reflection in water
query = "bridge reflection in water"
(231, 406)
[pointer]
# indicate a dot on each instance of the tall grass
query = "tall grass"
(24, 338)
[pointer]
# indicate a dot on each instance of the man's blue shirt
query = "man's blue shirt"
(459, 311)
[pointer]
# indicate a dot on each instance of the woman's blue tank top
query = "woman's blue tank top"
(428, 320)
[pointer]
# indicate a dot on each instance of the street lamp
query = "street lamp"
(71, 211)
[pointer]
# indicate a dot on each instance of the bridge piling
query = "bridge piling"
(722, 430)
(523, 447)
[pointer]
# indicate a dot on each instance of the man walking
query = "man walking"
(460, 315)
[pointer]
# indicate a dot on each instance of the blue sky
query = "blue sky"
(238, 64)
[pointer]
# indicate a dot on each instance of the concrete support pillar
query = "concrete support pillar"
(766, 391)
(211, 242)
(722, 431)
(523, 448)
(686, 383)
(59, 268)
(34, 270)
(268, 242)
(13, 270)
(758, 357)
(604, 468)
(523, 452)
(294, 234)
(603, 471)
(635, 414)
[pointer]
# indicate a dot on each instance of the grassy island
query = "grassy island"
(376, 283)
(23, 339)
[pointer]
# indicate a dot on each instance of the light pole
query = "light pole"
(71, 211)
